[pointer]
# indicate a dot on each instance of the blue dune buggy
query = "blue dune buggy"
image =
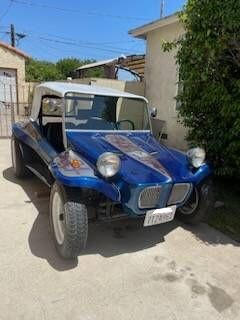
(94, 148)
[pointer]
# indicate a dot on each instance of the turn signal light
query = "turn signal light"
(75, 164)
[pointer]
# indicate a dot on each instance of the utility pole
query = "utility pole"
(13, 35)
(162, 9)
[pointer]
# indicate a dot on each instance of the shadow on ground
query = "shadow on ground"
(105, 239)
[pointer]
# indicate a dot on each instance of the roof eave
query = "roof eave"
(142, 31)
(14, 50)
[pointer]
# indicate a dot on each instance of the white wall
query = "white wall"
(134, 87)
(161, 78)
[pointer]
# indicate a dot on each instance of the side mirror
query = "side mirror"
(153, 112)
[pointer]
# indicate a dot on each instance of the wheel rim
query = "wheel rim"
(191, 204)
(13, 154)
(58, 218)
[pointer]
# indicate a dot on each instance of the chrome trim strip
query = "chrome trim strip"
(106, 131)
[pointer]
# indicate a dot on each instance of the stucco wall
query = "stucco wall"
(161, 82)
(135, 87)
(10, 60)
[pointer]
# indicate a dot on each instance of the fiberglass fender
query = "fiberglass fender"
(70, 170)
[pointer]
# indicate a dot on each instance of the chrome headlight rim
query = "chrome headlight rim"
(108, 164)
(196, 157)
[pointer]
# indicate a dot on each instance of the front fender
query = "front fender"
(82, 177)
(202, 173)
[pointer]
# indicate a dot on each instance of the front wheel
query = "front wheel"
(69, 223)
(199, 205)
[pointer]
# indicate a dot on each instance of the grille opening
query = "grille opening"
(149, 197)
(179, 193)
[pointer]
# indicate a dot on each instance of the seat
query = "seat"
(54, 135)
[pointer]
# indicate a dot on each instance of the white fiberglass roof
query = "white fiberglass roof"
(60, 89)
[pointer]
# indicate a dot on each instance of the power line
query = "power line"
(102, 46)
(42, 50)
(74, 42)
(58, 37)
(78, 52)
(82, 45)
(85, 44)
(7, 10)
(89, 13)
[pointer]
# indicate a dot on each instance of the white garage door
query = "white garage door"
(8, 82)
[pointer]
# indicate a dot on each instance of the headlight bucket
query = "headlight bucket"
(108, 164)
(196, 157)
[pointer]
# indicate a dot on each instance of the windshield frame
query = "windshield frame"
(102, 130)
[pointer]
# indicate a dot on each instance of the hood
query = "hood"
(143, 159)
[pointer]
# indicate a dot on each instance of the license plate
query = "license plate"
(159, 216)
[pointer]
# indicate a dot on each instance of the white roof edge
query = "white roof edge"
(141, 32)
(60, 89)
(97, 64)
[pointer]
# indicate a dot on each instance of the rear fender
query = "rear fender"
(82, 176)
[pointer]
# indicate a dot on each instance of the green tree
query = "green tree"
(209, 74)
(67, 66)
(37, 70)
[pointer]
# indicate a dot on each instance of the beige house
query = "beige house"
(12, 75)
(161, 75)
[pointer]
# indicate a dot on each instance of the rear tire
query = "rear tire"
(199, 205)
(18, 164)
(69, 222)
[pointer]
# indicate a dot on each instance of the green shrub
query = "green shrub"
(209, 73)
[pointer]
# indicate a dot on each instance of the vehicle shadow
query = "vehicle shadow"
(40, 238)
(105, 239)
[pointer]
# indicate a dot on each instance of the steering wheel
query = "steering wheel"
(118, 123)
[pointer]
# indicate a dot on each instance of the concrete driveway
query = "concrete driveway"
(165, 272)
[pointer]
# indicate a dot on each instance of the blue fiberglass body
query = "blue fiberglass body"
(92, 145)
(87, 125)
(134, 174)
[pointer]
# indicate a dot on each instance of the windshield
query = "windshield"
(92, 112)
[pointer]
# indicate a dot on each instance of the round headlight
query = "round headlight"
(108, 164)
(196, 157)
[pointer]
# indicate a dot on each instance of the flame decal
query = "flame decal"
(134, 151)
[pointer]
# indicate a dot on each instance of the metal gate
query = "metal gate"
(11, 110)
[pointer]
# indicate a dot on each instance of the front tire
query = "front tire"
(69, 222)
(18, 165)
(199, 205)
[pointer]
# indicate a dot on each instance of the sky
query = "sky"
(90, 29)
